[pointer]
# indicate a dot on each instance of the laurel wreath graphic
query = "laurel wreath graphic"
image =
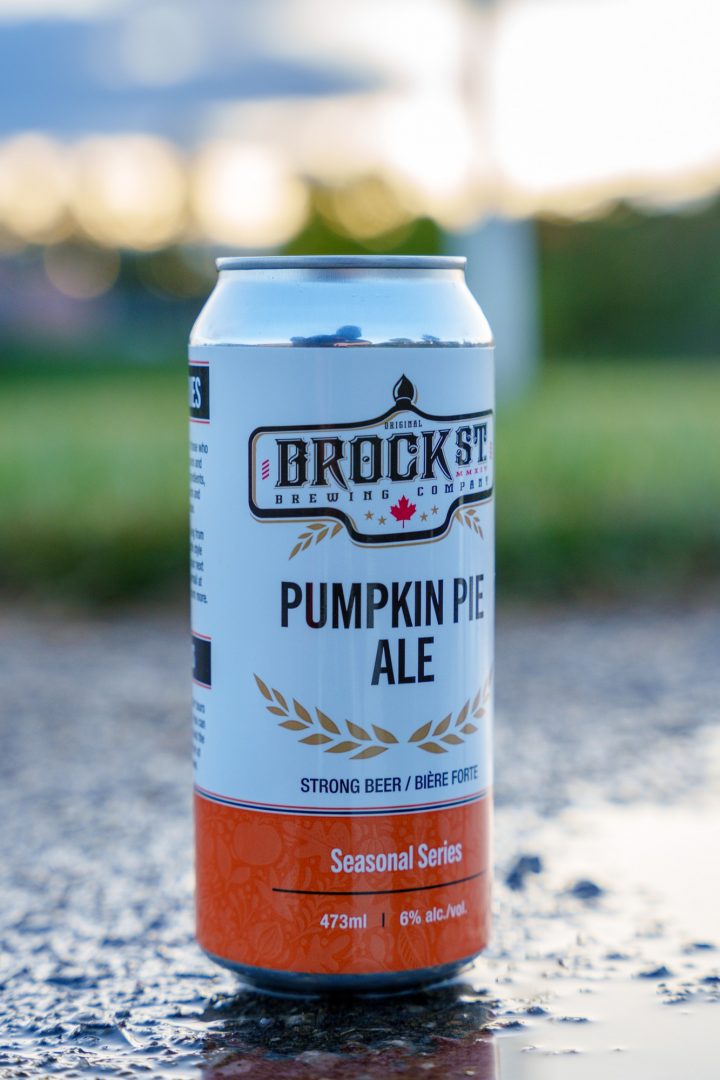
(318, 531)
(320, 730)
(451, 734)
(469, 518)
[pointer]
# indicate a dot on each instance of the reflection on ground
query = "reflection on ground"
(439, 1032)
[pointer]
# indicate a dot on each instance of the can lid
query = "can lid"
(341, 262)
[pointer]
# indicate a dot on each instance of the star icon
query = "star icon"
(433, 510)
(423, 517)
(381, 520)
(369, 515)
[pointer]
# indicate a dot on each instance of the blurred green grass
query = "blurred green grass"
(93, 475)
(608, 482)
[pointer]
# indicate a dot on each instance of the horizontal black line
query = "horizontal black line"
(378, 892)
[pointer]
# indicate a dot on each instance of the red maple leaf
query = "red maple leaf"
(403, 510)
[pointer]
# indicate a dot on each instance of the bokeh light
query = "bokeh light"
(80, 271)
(428, 146)
(35, 186)
(130, 191)
(368, 208)
(245, 194)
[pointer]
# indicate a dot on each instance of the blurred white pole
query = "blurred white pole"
(502, 274)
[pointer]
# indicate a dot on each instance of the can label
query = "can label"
(342, 613)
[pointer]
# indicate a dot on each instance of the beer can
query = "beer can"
(342, 591)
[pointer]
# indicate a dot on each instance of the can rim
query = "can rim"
(341, 262)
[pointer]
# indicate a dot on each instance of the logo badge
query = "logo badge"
(397, 478)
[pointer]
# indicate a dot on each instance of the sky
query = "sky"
(519, 106)
(102, 65)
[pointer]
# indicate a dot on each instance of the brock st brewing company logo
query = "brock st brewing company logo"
(398, 478)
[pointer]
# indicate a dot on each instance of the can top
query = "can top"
(349, 300)
(341, 262)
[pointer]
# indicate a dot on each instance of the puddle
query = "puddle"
(624, 1038)
(628, 979)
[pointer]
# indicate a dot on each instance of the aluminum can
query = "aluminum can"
(342, 593)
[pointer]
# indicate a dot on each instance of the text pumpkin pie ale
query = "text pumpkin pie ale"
(341, 481)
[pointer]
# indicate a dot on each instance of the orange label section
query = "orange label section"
(297, 892)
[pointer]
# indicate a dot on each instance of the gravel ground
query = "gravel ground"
(100, 975)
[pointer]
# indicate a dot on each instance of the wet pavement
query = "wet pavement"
(604, 960)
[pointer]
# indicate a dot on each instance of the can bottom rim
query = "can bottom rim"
(376, 984)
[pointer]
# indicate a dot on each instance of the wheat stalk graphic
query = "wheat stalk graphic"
(469, 518)
(317, 531)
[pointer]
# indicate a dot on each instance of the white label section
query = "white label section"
(342, 563)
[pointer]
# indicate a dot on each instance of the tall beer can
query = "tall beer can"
(341, 482)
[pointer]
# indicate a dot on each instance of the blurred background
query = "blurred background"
(571, 148)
